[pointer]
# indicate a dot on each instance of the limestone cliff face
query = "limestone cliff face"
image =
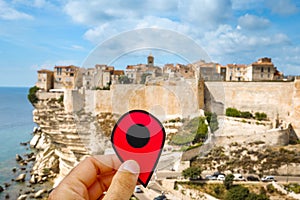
(62, 139)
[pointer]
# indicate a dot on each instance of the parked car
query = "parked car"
(221, 177)
(252, 178)
(138, 189)
(161, 197)
(216, 174)
(268, 179)
(238, 177)
(210, 177)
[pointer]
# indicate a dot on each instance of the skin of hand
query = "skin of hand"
(98, 174)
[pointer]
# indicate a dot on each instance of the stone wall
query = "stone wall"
(276, 99)
(164, 101)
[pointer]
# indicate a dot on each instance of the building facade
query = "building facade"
(45, 80)
(65, 77)
(263, 70)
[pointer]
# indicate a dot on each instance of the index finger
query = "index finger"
(88, 170)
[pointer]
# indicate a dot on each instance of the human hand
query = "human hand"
(95, 175)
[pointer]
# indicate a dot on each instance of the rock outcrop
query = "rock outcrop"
(63, 139)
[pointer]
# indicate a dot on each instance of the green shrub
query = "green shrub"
(237, 192)
(61, 99)
(228, 182)
(246, 115)
(233, 112)
(260, 116)
(270, 188)
(295, 187)
(253, 196)
(191, 172)
(32, 95)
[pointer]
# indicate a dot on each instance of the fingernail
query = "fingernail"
(131, 166)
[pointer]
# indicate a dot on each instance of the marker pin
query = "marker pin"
(139, 136)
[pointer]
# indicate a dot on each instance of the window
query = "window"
(268, 75)
(238, 69)
(262, 69)
(269, 69)
(262, 75)
(72, 74)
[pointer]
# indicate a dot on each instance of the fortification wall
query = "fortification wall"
(273, 98)
(164, 101)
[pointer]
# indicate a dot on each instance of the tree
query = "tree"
(201, 131)
(32, 95)
(228, 182)
(192, 172)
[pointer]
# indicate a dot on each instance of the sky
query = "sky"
(36, 34)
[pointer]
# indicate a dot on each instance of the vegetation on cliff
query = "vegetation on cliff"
(235, 192)
(32, 95)
(250, 159)
(233, 112)
(192, 172)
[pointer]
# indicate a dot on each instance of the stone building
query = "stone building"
(137, 73)
(179, 70)
(65, 77)
(116, 75)
(237, 72)
(262, 70)
(208, 71)
(45, 79)
(101, 76)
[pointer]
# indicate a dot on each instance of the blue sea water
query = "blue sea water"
(15, 126)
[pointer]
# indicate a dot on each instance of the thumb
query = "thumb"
(123, 183)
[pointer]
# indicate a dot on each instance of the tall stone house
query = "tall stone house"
(45, 80)
(65, 77)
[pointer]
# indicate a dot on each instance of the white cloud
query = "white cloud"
(110, 29)
(7, 12)
(283, 7)
(96, 12)
(206, 13)
(209, 22)
(227, 43)
(253, 22)
(247, 4)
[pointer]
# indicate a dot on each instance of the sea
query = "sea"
(16, 125)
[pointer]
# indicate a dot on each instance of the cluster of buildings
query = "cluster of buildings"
(102, 76)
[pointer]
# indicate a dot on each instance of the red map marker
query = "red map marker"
(139, 136)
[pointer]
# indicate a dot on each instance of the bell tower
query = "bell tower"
(150, 59)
